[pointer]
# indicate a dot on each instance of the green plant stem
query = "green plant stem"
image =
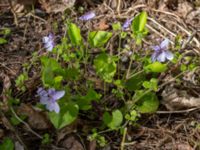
(86, 53)
(118, 62)
(105, 131)
(129, 68)
(135, 74)
(123, 139)
(104, 87)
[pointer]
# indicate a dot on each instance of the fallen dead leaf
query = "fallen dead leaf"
(25, 2)
(93, 145)
(98, 84)
(183, 146)
(55, 6)
(66, 131)
(184, 8)
(36, 119)
(102, 25)
(177, 99)
(6, 86)
(71, 143)
(18, 146)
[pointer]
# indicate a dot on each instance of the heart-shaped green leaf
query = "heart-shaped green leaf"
(99, 38)
(74, 34)
(105, 66)
(156, 67)
(68, 113)
(113, 121)
(7, 144)
(148, 103)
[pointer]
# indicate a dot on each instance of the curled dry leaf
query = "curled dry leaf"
(102, 25)
(55, 6)
(184, 8)
(27, 2)
(37, 120)
(115, 4)
(18, 146)
(183, 146)
(177, 99)
(19, 5)
(61, 134)
(93, 145)
(6, 85)
(71, 143)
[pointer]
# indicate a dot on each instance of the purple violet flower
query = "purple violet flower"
(161, 52)
(49, 98)
(127, 23)
(49, 42)
(87, 16)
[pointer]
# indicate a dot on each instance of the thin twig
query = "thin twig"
(161, 26)
(12, 129)
(13, 12)
(118, 6)
(188, 40)
(27, 126)
(177, 111)
(158, 33)
(12, 72)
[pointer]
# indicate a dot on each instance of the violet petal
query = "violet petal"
(53, 107)
(153, 57)
(156, 48)
(161, 57)
(58, 94)
(87, 16)
(127, 23)
(169, 55)
(164, 44)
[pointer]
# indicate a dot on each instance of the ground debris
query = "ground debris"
(36, 119)
(71, 143)
(176, 99)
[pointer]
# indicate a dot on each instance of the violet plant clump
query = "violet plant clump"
(87, 16)
(49, 42)
(161, 52)
(49, 98)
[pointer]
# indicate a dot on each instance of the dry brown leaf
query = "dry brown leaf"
(18, 6)
(18, 146)
(184, 8)
(93, 145)
(98, 84)
(177, 99)
(66, 131)
(192, 15)
(55, 6)
(6, 86)
(71, 143)
(183, 146)
(102, 25)
(27, 2)
(37, 120)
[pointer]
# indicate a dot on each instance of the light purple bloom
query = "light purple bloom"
(87, 16)
(161, 52)
(49, 42)
(127, 23)
(49, 98)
